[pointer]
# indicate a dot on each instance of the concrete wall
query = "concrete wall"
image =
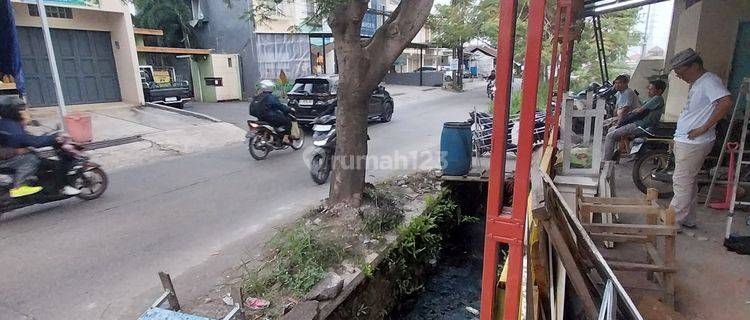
(645, 69)
(227, 32)
(113, 16)
(710, 27)
(429, 79)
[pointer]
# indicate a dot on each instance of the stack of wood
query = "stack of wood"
(586, 268)
(658, 232)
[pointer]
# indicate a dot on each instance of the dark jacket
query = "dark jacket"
(13, 135)
(273, 104)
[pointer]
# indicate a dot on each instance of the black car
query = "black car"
(315, 96)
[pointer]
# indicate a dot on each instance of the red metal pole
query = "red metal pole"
(564, 71)
(522, 180)
(552, 75)
(504, 72)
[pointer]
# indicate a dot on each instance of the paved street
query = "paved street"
(193, 216)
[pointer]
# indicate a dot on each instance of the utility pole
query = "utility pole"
(52, 61)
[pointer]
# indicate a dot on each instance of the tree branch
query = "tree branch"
(390, 39)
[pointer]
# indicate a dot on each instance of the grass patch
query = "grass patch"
(385, 212)
(420, 242)
(300, 260)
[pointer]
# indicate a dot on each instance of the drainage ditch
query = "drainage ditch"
(411, 285)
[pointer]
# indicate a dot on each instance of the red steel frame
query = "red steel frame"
(500, 226)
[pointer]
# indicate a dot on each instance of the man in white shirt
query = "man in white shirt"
(627, 100)
(708, 102)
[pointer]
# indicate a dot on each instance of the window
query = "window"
(310, 86)
(52, 12)
(229, 62)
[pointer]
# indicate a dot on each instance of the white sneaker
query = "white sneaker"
(70, 191)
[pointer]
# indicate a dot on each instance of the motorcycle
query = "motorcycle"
(654, 160)
(86, 176)
(263, 138)
(324, 140)
(491, 89)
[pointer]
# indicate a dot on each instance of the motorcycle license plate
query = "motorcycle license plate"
(322, 127)
(305, 102)
(170, 99)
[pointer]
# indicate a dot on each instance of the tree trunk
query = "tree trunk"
(362, 66)
(460, 50)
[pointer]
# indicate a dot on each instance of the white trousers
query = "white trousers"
(688, 161)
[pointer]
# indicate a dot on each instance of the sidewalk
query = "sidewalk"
(163, 133)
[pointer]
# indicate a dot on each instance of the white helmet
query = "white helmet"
(267, 85)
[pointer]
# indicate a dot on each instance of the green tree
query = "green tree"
(452, 26)
(618, 29)
(362, 64)
(172, 16)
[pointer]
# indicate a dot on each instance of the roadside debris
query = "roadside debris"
(472, 311)
(256, 303)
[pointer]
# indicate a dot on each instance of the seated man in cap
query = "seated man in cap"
(708, 102)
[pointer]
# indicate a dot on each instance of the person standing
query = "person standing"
(627, 100)
(708, 102)
(645, 117)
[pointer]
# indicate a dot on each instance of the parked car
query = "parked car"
(425, 69)
(315, 96)
(160, 86)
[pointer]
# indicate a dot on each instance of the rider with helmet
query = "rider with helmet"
(269, 109)
(13, 135)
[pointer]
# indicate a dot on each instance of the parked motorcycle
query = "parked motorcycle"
(654, 160)
(263, 138)
(85, 175)
(324, 140)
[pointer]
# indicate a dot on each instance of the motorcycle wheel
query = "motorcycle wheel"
(387, 114)
(258, 148)
(647, 163)
(319, 168)
(92, 184)
(299, 143)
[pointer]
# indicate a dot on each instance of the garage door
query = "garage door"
(84, 61)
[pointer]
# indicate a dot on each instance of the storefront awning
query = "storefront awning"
(168, 50)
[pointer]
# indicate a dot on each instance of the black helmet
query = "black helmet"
(10, 107)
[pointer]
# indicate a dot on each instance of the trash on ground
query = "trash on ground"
(257, 303)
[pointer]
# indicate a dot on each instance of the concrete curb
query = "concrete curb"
(354, 279)
(183, 112)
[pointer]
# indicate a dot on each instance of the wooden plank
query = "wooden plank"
(621, 201)
(617, 237)
(669, 259)
(576, 275)
(654, 258)
(620, 208)
(172, 50)
(627, 306)
(632, 266)
(166, 283)
(239, 298)
(639, 229)
(148, 32)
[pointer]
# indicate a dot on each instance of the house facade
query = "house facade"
(94, 48)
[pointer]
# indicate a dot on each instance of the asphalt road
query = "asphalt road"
(193, 216)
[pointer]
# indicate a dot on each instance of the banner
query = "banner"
(10, 55)
(70, 3)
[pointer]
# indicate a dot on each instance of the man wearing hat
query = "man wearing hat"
(708, 102)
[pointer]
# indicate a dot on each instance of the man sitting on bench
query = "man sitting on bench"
(644, 117)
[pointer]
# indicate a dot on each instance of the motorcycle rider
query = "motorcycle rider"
(644, 117)
(12, 127)
(708, 102)
(271, 109)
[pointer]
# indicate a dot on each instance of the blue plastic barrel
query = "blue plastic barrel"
(455, 148)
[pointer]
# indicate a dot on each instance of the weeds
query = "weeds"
(386, 214)
(300, 261)
(420, 242)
